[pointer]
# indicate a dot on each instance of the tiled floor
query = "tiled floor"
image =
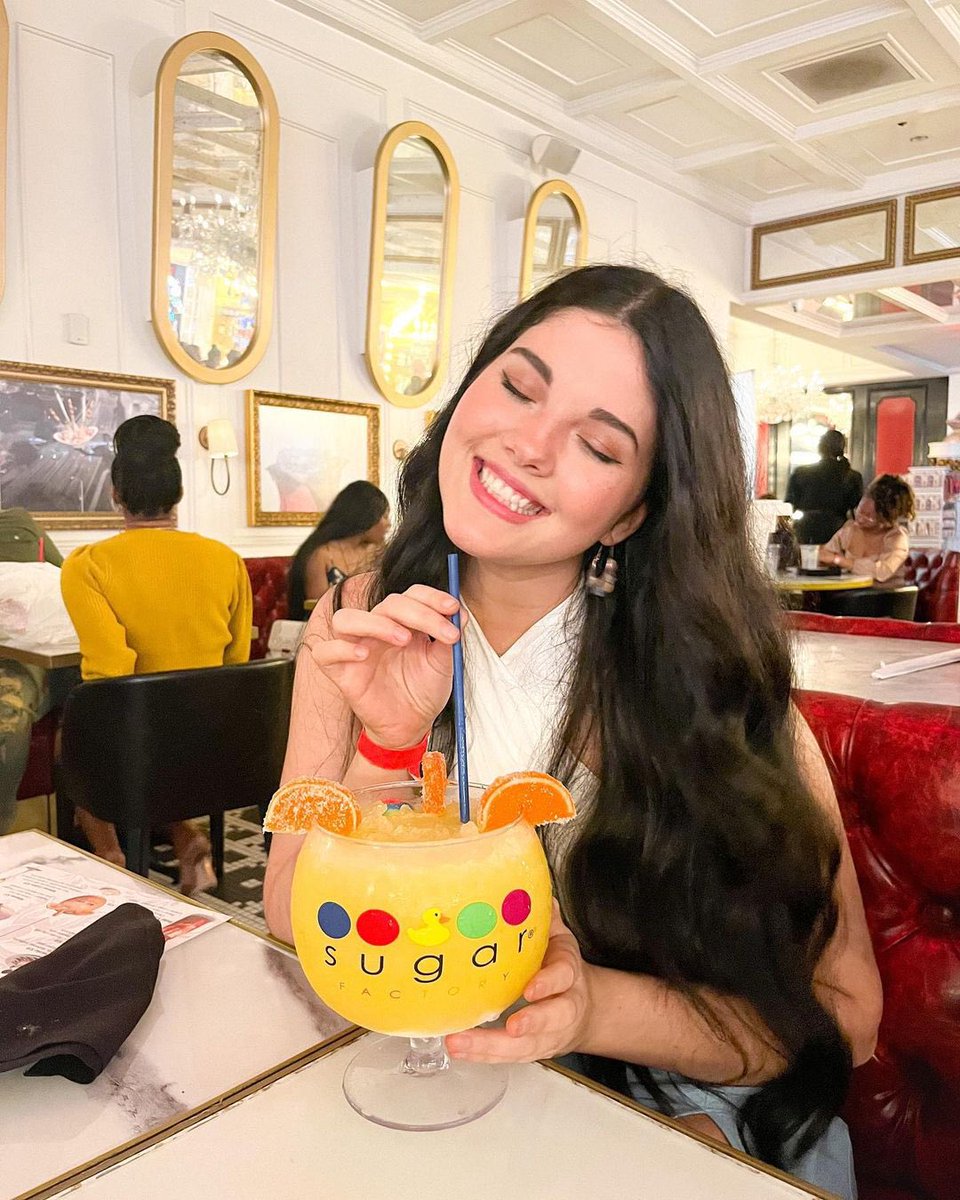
(241, 892)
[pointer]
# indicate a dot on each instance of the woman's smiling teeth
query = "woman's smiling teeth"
(494, 486)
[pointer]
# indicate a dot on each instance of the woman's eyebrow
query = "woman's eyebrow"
(601, 414)
(535, 361)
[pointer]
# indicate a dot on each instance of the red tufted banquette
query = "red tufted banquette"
(896, 770)
(268, 580)
(38, 776)
(886, 627)
(937, 575)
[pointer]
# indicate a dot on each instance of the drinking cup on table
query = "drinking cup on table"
(809, 557)
(773, 559)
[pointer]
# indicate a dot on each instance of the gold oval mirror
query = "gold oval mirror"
(416, 198)
(554, 235)
(214, 207)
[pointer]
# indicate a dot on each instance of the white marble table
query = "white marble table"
(552, 1137)
(841, 662)
(229, 1007)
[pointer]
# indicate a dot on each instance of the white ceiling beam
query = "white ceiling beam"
(438, 29)
(907, 299)
(781, 324)
(920, 366)
(622, 95)
(800, 35)
(654, 40)
(718, 155)
(942, 21)
(908, 106)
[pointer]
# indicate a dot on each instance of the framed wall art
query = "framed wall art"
(56, 439)
(301, 451)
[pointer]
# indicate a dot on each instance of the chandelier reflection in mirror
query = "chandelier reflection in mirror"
(789, 394)
(212, 284)
(215, 203)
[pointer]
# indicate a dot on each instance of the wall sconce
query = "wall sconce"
(219, 441)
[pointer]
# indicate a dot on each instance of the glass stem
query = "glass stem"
(426, 1056)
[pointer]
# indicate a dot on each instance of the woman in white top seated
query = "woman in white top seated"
(874, 543)
(712, 956)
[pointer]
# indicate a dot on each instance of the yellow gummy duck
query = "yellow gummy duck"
(432, 932)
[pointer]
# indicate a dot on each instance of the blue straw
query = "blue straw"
(459, 713)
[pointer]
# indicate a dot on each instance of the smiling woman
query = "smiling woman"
(703, 881)
(530, 447)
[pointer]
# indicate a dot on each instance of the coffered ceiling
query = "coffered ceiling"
(761, 108)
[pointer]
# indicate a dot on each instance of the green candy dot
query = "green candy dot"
(476, 920)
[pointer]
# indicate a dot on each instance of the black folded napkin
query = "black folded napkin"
(69, 1012)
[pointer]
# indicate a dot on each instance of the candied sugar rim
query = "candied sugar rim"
(366, 797)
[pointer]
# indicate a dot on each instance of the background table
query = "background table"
(786, 582)
(64, 654)
(230, 1007)
(552, 1137)
(839, 662)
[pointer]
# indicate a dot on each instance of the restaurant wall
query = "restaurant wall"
(79, 213)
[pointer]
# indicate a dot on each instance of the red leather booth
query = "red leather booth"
(268, 580)
(886, 627)
(896, 770)
(937, 575)
(38, 777)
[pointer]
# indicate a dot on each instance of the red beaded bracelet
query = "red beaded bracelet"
(407, 759)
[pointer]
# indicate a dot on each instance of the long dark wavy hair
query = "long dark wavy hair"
(354, 510)
(704, 860)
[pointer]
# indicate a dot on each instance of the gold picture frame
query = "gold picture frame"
(911, 204)
(163, 169)
(552, 187)
(378, 259)
(886, 207)
(312, 456)
(56, 437)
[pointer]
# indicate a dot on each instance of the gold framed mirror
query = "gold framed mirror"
(555, 235)
(4, 82)
(216, 152)
(932, 225)
(413, 240)
(843, 241)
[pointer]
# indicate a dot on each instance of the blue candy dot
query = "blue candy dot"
(333, 920)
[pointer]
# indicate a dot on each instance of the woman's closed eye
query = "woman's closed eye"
(512, 388)
(599, 455)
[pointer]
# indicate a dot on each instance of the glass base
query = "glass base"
(413, 1084)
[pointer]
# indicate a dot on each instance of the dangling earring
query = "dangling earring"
(601, 577)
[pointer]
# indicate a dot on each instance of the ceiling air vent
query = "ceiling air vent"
(850, 73)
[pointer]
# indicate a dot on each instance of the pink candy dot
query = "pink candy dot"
(516, 907)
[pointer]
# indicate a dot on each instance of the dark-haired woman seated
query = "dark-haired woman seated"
(710, 953)
(154, 598)
(345, 542)
(874, 543)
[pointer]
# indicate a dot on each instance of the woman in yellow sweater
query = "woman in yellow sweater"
(154, 598)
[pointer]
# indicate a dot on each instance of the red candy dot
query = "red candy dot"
(378, 928)
(514, 910)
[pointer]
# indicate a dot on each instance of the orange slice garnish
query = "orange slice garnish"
(433, 769)
(305, 804)
(532, 795)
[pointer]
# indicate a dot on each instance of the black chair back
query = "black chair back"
(145, 750)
